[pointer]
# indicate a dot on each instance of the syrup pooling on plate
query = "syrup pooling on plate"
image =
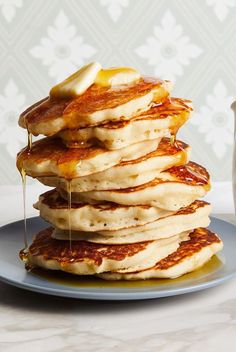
(65, 279)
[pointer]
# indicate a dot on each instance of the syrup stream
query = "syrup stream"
(29, 146)
(23, 180)
(69, 211)
(24, 252)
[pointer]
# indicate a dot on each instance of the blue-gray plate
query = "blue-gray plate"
(220, 268)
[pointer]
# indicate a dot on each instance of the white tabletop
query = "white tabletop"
(202, 321)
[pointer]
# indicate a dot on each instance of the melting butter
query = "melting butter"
(116, 76)
(77, 83)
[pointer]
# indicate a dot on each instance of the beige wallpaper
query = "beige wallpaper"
(190, 42)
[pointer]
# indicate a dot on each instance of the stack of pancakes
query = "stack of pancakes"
(125, 199)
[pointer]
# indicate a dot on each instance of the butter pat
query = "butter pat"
(116, 76)
(77, 83)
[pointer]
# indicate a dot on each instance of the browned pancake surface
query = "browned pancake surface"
(190, 209)
(199, 239)
(94, 99)
(53, 149)
(54, 200)
(165, 148)
(172, 106)
(177, 107)
(52, 249)
(191, 174)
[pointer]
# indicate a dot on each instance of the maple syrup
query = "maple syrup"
(23, 180)
(23, 254)
(69, 211)
(29, 144)
(172, 139)
(182, 157)
(66, 279)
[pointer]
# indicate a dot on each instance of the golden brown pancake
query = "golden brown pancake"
(94, 217)
(50, 116)
(199, 239)
(52, 249)
(128, 173)
(172, 189)
(191, 173)
(164, 148)
(185, 219)
(49, 156)
(170, 107)
(159, 121)
(194, 216)
(86, 258)
(189, 256)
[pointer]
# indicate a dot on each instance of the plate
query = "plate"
(220, 268)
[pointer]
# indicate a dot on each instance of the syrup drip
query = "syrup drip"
(184, 155)
(24, 252)
(29, 145)
(69, 211)
(23, 180)
(23, 255)
(172, 139)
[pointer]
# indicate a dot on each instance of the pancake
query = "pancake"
(86, 258)
(191, 255)
(128, 173)
(94, 217)
(175, 188)
(50, 157)
(97, 105)
(159, 121)
(184, 220)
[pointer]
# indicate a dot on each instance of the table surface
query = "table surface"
(202, 321)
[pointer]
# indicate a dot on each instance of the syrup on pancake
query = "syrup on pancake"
(52, 249)
(71, 111)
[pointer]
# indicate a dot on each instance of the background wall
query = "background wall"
(190, 42)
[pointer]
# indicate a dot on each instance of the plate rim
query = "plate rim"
(134, 294)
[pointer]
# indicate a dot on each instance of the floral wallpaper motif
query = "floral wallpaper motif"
(189, 42)
(169, 49)
(9, 8)
(215, 121)
(114, 7)
(12, 102)
(222, 7)
(63, 50)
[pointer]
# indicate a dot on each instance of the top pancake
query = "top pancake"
(97, 105)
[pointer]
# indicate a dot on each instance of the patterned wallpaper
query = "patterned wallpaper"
(190, 42)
